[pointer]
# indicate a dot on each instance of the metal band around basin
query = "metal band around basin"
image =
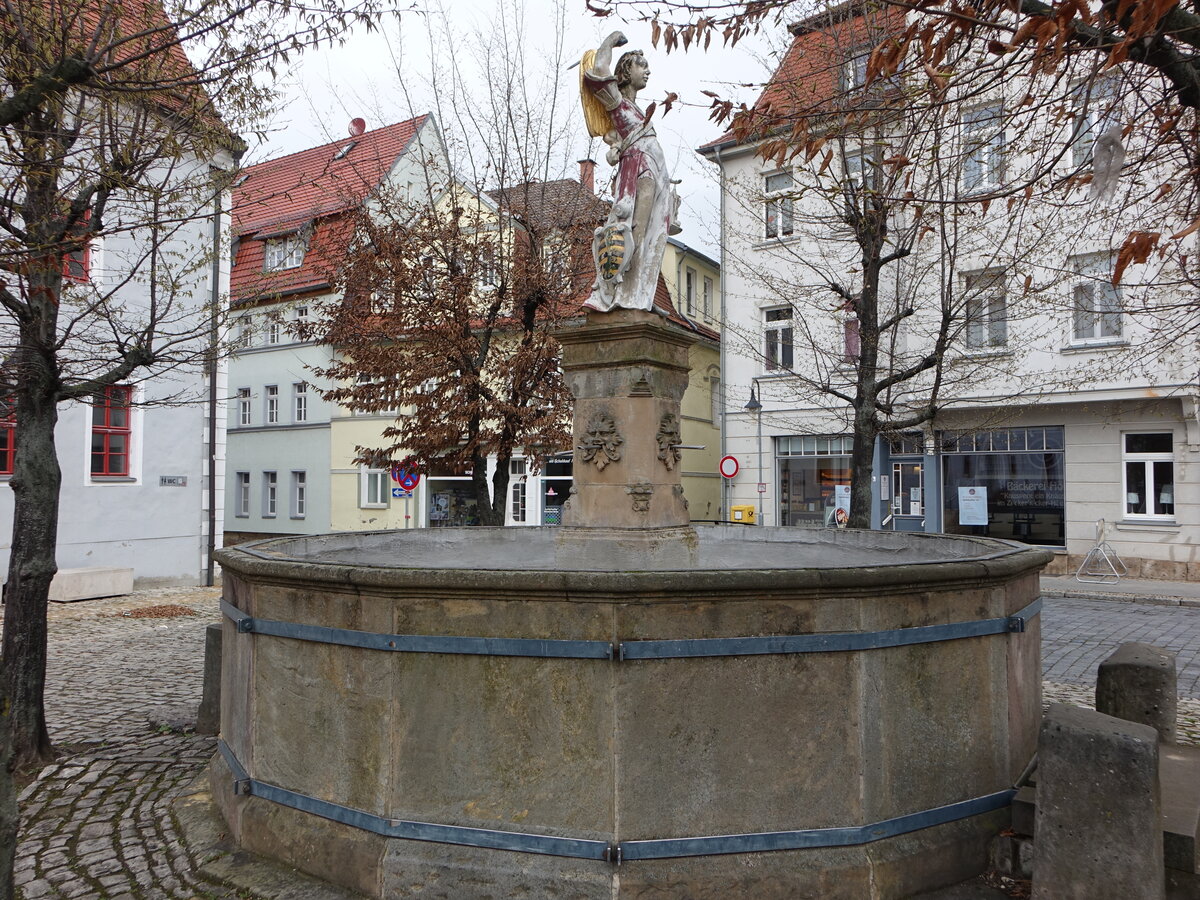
(623, 851)
(633, 650)
(828, 643)
(419, 643)
(414, 831)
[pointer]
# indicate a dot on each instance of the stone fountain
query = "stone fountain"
(627, 706)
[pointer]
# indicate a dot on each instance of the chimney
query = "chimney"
(587, 174)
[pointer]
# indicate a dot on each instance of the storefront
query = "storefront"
(1006, 483)
(450, 497)
(814, 478)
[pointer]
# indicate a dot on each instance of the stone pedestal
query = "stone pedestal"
(627, 370)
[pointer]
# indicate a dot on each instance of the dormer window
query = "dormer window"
(285, 252)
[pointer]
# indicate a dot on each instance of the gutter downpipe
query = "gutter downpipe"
(213, 337)
(724, 375)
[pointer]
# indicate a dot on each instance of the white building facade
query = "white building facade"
(1062, 399)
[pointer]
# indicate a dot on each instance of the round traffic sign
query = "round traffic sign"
(409, 480)
(729, 466)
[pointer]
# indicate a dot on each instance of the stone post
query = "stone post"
(1099, 829)
(1138, 683)
(627, 370)
(208, 719)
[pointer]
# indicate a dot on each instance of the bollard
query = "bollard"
(208, 719)
(1137, 683)
(1099, 816)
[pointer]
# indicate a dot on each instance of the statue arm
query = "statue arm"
(602, 65)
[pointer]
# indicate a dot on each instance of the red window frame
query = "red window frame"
(112, 430)
(8, 436)
(77, 265)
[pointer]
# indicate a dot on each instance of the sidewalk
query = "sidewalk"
(1160, 593)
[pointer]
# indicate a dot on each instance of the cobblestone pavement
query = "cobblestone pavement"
(97, 825)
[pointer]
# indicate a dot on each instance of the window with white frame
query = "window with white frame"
(242, 509)
(372, 488)
(983, 147)
(862, 169)
(779, 204)
(301, 313)
(708, 298)
(273, 331)
(300, 401)
(272, 404)
(986, 310)
(517, 489)
(243, 406)
(854, 69)
(1149, 476)
(488, 274)
(270, 494)
(245, 334)
(689, 290)
(285, 252)
(777, 342)
(299, 494)
(1097, 109)
(1095, 300)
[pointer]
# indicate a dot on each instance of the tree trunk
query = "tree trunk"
(35, 484)
(500, 480)
(483, 496)
(9, 816)
(862, 468)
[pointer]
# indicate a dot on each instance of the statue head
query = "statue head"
(632, 70)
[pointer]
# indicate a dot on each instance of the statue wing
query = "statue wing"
(598, 120)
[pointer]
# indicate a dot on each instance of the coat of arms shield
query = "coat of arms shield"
(612, 249)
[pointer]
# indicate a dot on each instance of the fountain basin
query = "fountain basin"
(775, 690)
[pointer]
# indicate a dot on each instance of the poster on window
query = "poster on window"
(841, 504)
(972, 506)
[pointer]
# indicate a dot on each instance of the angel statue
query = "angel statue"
(628, 248)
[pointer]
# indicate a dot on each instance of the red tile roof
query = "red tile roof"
(806, 84)
(314, 189)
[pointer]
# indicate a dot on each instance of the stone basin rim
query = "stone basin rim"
(997, 559)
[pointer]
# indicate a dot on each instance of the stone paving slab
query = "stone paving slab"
(97, 825)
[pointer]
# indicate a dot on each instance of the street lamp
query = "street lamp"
(755, 407)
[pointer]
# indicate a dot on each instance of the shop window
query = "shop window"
(1005, 483)
(777, 327)
(373, 488)
(812, 471)
(983, 148)
(779, 204)
(299, 495)
(242, 500)
(243, 406)
(285, 252)
(270, 494)
(1096, 301)
(986, 311)
(300, 402)
(1149, 464)
(272, 404)
(112, 431)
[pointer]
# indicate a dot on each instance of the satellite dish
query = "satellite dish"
(357, 127)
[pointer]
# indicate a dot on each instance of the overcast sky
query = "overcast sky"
(384, 78)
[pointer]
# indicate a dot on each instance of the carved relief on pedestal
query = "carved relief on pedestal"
(601, 442)
(640, 493)
(668, 440)
(679, 494)
(640, 387)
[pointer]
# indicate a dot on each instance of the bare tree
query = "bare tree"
(449, 305)
(112, 114)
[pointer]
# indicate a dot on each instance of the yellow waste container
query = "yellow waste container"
(744, 514)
